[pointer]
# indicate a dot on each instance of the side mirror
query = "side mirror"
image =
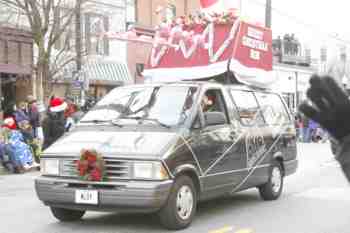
(214, 118)
(196, 123)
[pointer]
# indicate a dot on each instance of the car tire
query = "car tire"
(273, 188)
(67, 215)
(180, 208)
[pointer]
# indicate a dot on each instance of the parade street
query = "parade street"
(315, 200)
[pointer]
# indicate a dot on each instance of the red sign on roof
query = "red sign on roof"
(202, 51)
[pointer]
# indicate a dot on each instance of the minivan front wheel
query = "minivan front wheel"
(180, 208)
(273, 188)
(67, 215)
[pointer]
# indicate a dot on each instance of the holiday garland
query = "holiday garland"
(178, 36)
(91, 166)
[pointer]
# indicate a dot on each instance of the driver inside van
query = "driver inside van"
(208, 102)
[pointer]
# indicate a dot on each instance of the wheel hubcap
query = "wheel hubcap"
(184, 202)
(276, 179)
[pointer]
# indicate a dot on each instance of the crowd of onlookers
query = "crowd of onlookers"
(309, 130)
(26, 131)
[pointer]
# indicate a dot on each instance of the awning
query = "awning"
(15, 69)
(107, 73)
(98, 72)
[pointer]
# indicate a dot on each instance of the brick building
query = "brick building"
(150, 13)
(16, 62)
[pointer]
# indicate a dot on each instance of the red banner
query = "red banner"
(203, 51)
(254, 47)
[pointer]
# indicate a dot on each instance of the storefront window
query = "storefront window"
(130, 11)
(95, 26)
(169, 13)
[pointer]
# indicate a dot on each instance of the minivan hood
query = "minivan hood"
(109, 143)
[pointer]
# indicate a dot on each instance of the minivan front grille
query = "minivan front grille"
(116, 169)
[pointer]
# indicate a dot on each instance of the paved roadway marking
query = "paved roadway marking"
(229, 229)
(245, 231)
(222, 230)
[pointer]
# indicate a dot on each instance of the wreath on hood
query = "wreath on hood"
(91, 166)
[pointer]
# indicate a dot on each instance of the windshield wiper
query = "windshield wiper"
(114, 122)
(140, 119)
(102, 121)
(157, 121)
(94, 121)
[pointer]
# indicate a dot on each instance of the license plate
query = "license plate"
(86, 197)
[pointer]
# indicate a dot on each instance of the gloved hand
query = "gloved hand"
(330, 106)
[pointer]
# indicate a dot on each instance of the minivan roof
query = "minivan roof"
(205, 84)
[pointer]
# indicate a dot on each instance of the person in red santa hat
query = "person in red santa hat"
(54, 124)
(10, 123)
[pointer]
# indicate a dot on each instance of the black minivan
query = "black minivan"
(168, 146)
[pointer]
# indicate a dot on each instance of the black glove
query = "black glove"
(330, 106)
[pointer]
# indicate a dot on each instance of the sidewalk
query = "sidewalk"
(3, 171)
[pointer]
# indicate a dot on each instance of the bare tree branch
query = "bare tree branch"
(47, 28)
(66, 62)
(12, 3)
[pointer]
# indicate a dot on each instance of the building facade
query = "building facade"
(150, 13)
(104, 61)
(292, 68)
(16, 63)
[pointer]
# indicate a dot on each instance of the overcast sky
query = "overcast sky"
(312, 21)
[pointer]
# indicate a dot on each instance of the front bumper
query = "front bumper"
(123, 196)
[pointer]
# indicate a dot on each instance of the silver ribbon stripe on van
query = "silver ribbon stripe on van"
(259, 161)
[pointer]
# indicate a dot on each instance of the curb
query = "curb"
(3, 170)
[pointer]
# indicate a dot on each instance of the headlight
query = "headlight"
(149, 170)
(49, 166)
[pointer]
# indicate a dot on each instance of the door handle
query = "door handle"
(232, 136)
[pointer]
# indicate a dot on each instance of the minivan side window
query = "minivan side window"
(272, 108)
(213, 101)
(247, 106)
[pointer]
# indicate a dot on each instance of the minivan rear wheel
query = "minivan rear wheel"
(67, 215)
(180, 208)
(273, 188)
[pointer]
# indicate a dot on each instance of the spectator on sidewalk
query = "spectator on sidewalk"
(33, 114)
(306, 129)
(54, 123)
(313, 125)
(20, 154)
(21, 113)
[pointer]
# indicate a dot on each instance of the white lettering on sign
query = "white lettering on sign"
(254, 44)
(255, 33)
(254, 54)
(207, 42)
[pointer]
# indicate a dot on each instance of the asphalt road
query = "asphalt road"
(315, 200)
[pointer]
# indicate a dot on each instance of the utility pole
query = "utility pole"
(78, 44)
(296, 90)
(268, 10)
(240, 8)
(78, 41)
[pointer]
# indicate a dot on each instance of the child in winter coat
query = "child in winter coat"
(14, 146)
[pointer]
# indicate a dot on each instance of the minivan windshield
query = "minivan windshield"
(167, 105)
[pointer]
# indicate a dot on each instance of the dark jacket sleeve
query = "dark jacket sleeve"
(34, 117)
(46, 132)
(342, 154)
